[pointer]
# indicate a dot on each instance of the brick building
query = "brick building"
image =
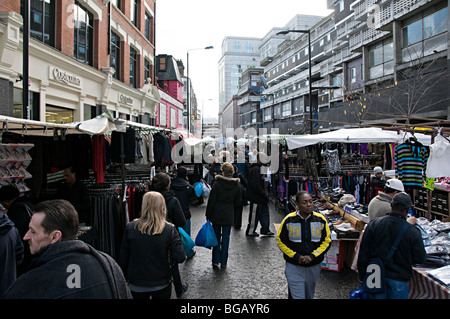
(85, 57)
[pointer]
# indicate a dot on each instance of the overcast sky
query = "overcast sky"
(182, 25)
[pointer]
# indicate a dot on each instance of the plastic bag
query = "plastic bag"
(186, 240)
(198, 187)
(206, 190)
(206, 236)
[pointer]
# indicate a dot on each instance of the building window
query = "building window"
(117, 3)
(276, 111)
(253, 115)
(162, 64)
(42, 20)
(133, 66)
(352, 75)
(426, 27)
(83, 34)
(148, 26)
(267, 114)
(381, 53)
(134, 12)
(146, 71)
(286, 109)
(115, 55)
(341, 5)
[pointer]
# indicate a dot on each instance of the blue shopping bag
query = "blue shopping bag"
(186, 240)
(206, 236)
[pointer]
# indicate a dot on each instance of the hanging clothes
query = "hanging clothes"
(129, 148)
(98, 157)
(333, 163)
(438, 162)
(410, 163)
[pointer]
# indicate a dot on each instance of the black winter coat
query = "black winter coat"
(256, 186)
(183, 191)
(174, 211)
(225, 195)
(378, 238)
(145, 258)
(100, 277)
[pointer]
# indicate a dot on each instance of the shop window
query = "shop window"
(115, 55)
(55, 114)
(83, 34)
(33, 113)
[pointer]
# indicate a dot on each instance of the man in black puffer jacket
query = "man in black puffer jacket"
(65, 267)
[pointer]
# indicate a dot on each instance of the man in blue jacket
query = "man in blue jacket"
(304, 239)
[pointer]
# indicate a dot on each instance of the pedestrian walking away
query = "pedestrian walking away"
(19, 211)
(224, 196)
(65, 267)
(304, 239)
(148, 246)
(11, 252)
(174, 215)
(257, 194)
(378, 238)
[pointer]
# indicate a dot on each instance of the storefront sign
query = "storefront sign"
(125, 99)
(63, 76)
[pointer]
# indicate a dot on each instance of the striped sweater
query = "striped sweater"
(411, 163)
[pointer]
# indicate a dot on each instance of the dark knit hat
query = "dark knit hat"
(181, 172)
(402, 201)
(8, 192)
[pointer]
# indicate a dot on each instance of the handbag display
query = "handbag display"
(186, 240)
(206, 236)
(375, 281)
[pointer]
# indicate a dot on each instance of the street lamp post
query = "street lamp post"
(309, 71)
(188, 104)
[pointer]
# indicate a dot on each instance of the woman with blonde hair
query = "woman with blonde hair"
(148, 245)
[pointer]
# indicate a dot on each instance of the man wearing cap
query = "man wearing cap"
(378, 238)
(380, 205)
(377, 182)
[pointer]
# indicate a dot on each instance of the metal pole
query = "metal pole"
(25, 58)
(188, 102)
(309, 82)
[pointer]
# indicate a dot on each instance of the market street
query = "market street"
(255, 268)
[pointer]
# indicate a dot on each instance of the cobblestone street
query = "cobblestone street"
(255, 268)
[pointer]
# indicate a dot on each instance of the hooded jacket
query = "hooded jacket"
(11, 252)
(378, 238)
(174, 211)
(54, 275)
(379, 206)
(225, 195)
(183, 191)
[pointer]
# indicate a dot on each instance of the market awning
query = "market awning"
(354, 135)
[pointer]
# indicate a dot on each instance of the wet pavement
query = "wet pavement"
(255, 268)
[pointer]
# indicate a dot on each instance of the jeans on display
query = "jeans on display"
(220, 252)
(395, 289)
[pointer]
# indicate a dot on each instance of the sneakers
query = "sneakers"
(254, 234)
(269, 233)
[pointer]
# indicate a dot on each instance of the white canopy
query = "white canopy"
(354, 135)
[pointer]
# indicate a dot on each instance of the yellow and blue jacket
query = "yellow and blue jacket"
(300, 237)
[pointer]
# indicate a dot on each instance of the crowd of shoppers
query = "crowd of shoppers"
(41, 257)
